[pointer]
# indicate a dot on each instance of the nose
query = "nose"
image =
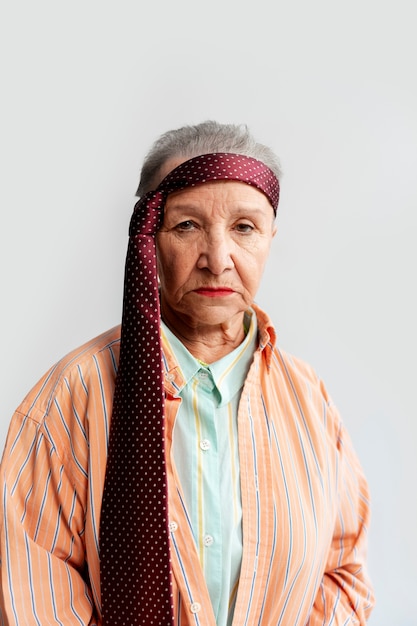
(216, 254)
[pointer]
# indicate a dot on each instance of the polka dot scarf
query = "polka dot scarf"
(134, 534)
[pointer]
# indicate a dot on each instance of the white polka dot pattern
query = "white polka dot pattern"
(134, 548)
(134, 532)
(224, 166)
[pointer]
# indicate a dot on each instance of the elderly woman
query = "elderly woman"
(182, 469)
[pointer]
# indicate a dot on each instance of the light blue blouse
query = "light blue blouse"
(206, 458)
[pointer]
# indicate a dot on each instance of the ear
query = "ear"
(274, 230)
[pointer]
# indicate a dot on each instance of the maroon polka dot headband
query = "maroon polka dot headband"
(223, 166)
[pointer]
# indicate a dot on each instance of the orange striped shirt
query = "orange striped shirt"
(305, 500)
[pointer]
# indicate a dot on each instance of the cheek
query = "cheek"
(252, 260)
(250, 269)
(174, 268)
(163, 254)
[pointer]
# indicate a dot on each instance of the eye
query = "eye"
(185, 226)
(244, 228)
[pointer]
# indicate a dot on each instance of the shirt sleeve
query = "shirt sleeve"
(43, 574)
(345, 595)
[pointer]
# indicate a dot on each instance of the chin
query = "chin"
(209, 316)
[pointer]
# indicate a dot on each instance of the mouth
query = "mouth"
(214, 292)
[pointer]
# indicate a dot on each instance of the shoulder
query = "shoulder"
(289, 374)
(90, 365)
(296, 369)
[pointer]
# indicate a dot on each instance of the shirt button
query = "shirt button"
(195, 607)
(173, 526)
(205, 444)
(202, 374)
(208, 540)
(169, 377)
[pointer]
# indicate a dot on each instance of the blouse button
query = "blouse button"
(195, 607)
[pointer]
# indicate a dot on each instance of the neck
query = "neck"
(205, 342)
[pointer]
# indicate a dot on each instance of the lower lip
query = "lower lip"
(214, 293)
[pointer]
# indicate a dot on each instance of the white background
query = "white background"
(331, 86)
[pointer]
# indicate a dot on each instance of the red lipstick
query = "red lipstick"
(214, 292)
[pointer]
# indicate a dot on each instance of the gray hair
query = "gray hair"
(204, 138)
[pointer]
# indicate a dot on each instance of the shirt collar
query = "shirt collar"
(266, 334)
(228, 373)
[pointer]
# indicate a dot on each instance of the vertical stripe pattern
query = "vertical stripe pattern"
(305, 500)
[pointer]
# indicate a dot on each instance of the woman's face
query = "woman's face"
(211, 249)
